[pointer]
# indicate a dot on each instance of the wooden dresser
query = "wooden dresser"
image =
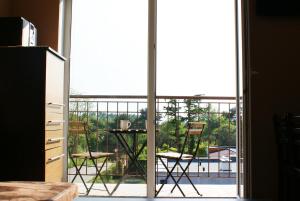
(31, 129)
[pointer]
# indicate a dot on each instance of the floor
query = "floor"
(130, 192)
(159, 199)
(139, 190)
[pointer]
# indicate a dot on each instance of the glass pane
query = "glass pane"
(109, 62)
(196, 47)
(109, 47)
(196, 62)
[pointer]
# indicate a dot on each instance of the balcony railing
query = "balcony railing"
(217, 155)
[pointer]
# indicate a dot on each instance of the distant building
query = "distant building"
(222, 152)
(224, 155)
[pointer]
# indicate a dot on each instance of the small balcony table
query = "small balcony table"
(133, 151)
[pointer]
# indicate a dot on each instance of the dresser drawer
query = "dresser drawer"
(52, 107)
(53, 125)
(54, 164)
(54, 79)
(51, 116)
(53, 139)
(54, 120)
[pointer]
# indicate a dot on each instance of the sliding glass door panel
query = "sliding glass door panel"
(109, 56)
(196, 81)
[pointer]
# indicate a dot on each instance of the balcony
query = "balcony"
(214, 169)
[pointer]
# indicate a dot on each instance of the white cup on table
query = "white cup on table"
(125, 124)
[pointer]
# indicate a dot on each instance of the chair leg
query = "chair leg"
(187, 176)
(169, 174)
(78, 173)
(98, 173)
(76, 168)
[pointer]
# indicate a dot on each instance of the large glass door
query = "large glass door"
(169, 62)
(109, 92)
(196, 81)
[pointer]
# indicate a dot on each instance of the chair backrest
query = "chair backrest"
(287, 128)
(77, 131)
(194, 129)
(293, 132)
(77, 127)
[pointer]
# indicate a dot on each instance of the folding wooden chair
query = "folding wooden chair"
(79, 147)
(194, 129)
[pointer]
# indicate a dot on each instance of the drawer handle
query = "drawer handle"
(58, 129)
(54, 140)
(55, 158)
(54, 123)
(55, 104)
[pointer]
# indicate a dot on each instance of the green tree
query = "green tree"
(174, 120)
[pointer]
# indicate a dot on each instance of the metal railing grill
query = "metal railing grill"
(217, 155)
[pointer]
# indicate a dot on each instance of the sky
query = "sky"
(195, 47)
